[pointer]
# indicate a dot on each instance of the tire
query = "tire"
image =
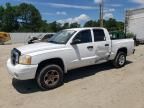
(50, 77)
(120, 60)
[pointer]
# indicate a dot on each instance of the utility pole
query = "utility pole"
(126, 20)
(101, 5)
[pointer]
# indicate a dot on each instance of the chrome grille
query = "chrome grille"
(15, 56)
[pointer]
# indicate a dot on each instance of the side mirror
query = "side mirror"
(76, 41)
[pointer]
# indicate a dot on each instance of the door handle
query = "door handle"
(106, 44)
(90, 47)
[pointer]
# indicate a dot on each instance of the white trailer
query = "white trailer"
(134, 23)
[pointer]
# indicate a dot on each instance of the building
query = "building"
(134, 22)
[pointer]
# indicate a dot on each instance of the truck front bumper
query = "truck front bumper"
(22, 72)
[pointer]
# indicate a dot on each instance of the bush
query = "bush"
(130, 35)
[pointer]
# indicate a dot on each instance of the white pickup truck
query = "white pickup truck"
(66, 50)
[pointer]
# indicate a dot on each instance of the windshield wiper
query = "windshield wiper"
(51, 41)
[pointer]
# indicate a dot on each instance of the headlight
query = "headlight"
(25, 59)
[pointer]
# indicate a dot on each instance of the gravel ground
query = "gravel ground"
(99, 86)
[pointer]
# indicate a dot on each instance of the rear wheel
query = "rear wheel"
(50, 77)
(120, 60)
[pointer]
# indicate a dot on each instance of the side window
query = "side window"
(99, 35)
(84, 36)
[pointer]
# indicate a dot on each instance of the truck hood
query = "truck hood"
(39, 47)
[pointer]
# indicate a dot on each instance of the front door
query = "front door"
(84, 50)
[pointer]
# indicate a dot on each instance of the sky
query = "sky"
(79, 10)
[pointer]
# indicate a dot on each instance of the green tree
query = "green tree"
(26, 18)
(29, 18)
(120, 26)
(113, 25)
(55, 27)
(74, 25)
(1, 16)
(66, 26)
(110, 24)
(9, 19)
(44, 26)
(91, 23)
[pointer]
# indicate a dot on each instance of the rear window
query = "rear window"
(99, 35)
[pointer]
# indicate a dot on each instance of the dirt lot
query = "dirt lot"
(100, 86)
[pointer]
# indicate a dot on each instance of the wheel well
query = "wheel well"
(56, 61)
(123, 50)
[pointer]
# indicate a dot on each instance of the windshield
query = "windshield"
(61, 37)
(39, 36)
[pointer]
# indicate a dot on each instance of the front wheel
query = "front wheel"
(50, 77)
(120, 60)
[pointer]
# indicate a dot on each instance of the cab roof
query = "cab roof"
(85, 28)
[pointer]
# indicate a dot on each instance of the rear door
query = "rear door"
(101, 45)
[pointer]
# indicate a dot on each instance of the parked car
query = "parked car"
(4, 37)
(40, 38)
(66, 50)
